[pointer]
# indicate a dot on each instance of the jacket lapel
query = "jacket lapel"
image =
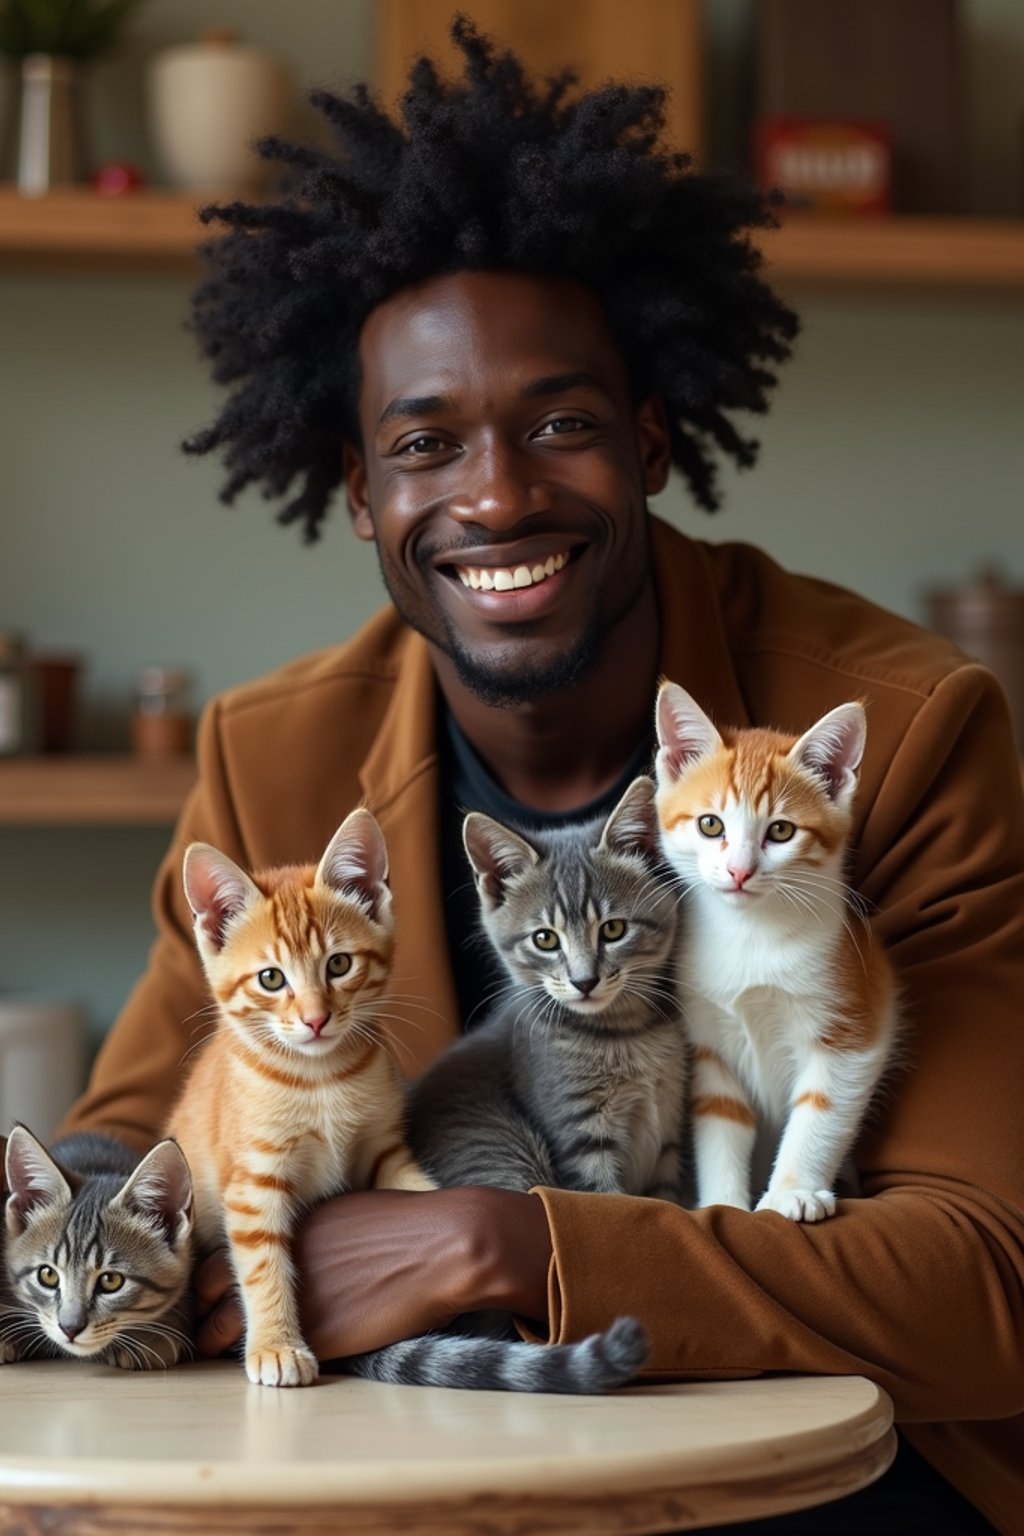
(401, 788)
(695, 650)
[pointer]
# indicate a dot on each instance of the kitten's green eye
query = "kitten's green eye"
(613, 929)
(48, 1277)
(109, 1282)
(710, 826)
(780, 831)
(271, 979)
(546, 939)
(339, 965)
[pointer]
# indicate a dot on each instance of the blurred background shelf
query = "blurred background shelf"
(73, 227)
(957, 252)
(98, 791)
(160, 229)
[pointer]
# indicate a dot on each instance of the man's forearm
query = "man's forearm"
(509, 1253)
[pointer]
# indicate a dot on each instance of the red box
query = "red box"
(831, 166)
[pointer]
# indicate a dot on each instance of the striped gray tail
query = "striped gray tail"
(596, 1364)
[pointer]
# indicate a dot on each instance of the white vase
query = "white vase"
(208, 102)
(42, 1049)
(44, 143)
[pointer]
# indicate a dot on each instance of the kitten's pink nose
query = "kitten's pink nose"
(317, 1023)
(740, 873)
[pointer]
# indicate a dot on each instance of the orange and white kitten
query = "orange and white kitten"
(790, 1002)
(294, 1097)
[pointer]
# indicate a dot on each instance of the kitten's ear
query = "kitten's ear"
(496, 854)
(685, 732)
(33, 1179)
(633, 825)
(216, 889)
(832, 749)
(160, 1189)
(355, 863)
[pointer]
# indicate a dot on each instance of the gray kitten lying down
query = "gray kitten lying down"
(577, 1079)
(97, 1252)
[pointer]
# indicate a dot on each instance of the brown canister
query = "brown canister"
(984, 616)
(162, 721)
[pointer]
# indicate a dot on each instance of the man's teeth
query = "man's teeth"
(488, 578)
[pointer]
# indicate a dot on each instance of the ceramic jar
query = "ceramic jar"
(42, 1060)
(208, 101)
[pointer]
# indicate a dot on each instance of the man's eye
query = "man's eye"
(561, 425)
(421, 445)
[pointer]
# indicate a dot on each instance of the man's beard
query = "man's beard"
(502, 684)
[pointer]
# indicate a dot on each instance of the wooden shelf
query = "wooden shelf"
(900, 249)
(147, 230)
(77, 226)
(110, 791)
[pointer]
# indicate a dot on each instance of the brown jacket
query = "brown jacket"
(921, 1286)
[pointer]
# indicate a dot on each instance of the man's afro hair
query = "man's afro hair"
(491, 172)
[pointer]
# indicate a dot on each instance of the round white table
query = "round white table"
(88, 1449)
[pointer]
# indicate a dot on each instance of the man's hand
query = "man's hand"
(380, 1265)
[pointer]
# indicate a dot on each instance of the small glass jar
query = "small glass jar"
(17, 697)
(162, 721)
(984, 616)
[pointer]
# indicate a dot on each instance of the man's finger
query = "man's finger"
(222, 1329)
(213, 1278)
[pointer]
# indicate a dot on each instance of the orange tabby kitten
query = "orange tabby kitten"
(789, 1002)
(295, 1096)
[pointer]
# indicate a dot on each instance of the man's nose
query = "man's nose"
(498, 488)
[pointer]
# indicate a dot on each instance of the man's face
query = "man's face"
(504, 474)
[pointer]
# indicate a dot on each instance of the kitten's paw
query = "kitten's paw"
(420, 1181)
(8, 1353)
(287, 1366)
(728, 1197)
(125, 1360)
(408, 1176)
(800, 1204)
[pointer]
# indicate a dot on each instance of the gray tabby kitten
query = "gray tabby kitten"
(98, 1252)
(577, 1079)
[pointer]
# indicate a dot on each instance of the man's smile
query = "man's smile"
(503, 578)
(515, 581)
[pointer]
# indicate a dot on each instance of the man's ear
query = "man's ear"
(357, 494)
(654, 444)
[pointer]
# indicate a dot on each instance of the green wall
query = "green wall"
(893, 459)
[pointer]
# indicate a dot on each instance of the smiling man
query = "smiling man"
(500, 327)
(504, 475)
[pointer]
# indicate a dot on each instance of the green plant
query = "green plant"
(73, 29)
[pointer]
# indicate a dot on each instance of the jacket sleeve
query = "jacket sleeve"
(140, 1066)
(919, 1284)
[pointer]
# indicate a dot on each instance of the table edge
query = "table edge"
(638, 1512)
